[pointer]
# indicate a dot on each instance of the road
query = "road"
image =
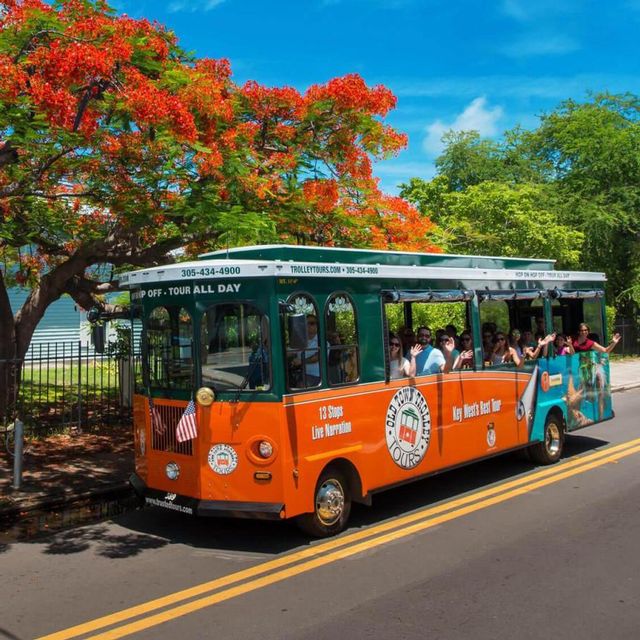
(497, 550)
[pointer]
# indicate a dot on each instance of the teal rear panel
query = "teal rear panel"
(579, 385)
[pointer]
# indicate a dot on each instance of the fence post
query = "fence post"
(79, 386)
(125, 381)
(18, 447)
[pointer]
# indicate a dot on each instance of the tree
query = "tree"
(493, 218)
(117, 148)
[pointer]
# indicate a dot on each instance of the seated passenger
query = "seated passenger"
(453, 333)
(582, 342)
(526, 340)
(408, 339)
(514, 340)
(424, 340)
(442, 340)
(487, 340)
(562, 345)
(502, 353)
(439, 360)
(465, 357)
(399, 366)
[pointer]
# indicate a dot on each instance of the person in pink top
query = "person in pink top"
(582, 342)
(562, 345)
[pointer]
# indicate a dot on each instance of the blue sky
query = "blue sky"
(452, 64)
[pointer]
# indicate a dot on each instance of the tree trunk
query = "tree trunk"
(16, 331)
(9, 372)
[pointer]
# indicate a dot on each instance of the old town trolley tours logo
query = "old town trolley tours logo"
(408, 427)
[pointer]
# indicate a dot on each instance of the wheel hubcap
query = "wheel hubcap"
(553, 439)
(330, 501)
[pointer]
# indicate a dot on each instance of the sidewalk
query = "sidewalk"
(92, 469)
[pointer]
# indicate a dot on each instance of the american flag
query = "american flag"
(186, 429)
(156, 420)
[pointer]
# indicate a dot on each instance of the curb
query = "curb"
(119, 491)
(625, 387)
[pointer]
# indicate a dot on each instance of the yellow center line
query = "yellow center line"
(551, 474)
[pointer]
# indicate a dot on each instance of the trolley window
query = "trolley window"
(342, 340)
(236, 353)
(303, 358)
(169, 352)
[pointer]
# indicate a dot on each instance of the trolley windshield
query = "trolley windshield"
(235, 350)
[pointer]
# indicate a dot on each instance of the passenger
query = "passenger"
(424, 340)
(442, 340)
(540, 326)
(582, 343)
(399, 366)
(439, 360)
(311, 353)
(562, 345)
(439, 334)
(258, 371)
(465, 357)
(527, 340)
(453, 333)
(514, 340)
(408, 338)
(488, 334)
(502, 353)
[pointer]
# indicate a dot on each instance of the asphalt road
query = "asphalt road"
(497, 550)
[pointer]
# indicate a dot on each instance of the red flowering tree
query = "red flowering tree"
(117, 148)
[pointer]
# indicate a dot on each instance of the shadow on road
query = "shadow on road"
(271, 538)
(153, 528)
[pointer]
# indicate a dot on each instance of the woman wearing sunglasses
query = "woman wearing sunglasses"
(502, 352)
(399, 366)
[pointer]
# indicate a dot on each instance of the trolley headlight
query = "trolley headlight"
(172, 470)
(265, 449)
(205, 396)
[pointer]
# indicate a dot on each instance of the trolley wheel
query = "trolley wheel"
(332, 506)
(550, 449)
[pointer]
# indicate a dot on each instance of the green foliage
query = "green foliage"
(432, 315)
(493, 218)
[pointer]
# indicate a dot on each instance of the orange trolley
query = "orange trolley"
(284, 353)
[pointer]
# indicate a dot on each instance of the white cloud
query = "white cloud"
(191, 6)
(540, 45)
(476, 116)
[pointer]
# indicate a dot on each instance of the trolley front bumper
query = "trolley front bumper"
(209, 508)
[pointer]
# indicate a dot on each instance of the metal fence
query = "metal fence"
(630, 338)
(66, 385)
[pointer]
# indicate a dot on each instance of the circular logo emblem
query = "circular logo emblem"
(408, 427)
(491, 437)
(222, 459)
(544, 381)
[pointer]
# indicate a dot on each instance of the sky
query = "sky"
(453, 64)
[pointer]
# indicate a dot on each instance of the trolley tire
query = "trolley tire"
(550, 449)
(332, 506)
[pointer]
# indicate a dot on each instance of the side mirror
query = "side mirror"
(98, 337)
(297, 326)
